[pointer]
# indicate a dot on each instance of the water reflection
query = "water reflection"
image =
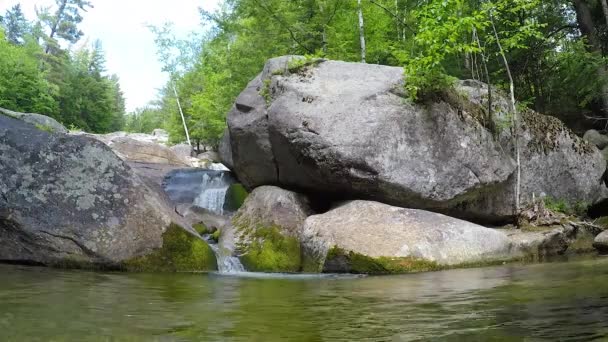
(548, 301)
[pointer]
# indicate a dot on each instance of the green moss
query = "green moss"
(181, 252)
(582, 244)
(235, 197)
(216, 235)
(201, 228)
(363, 264)
(265, 91)
(564, 207)
(271, 251)
(45, 128)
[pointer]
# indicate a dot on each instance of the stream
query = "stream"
(552, 301)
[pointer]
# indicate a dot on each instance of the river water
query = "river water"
(553, 301)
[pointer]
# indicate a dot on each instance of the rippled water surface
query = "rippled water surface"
(555, 301)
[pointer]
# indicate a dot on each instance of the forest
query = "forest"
(553, 53)
(39, 73)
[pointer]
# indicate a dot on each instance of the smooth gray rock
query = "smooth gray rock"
(38, 120)
(601, 242)
(605, 153)
(69, 200)
(211, 156)
(146, 152)
(347, 130)
(225, 150)
(376, 230)
(596, 138)
(182, 150)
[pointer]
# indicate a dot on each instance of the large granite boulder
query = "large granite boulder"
(347, 130)
(225, 150)
(40, 121)
(596, 138)
(371, 237)
(182, 150)
(267, 230)
(70, 201)
(146, 152)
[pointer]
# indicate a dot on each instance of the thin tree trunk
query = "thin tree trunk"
(484, 62)
(58, 16)
(324, 31)
(397, 20)
(515, 119)
(361, 32)
(182, 115)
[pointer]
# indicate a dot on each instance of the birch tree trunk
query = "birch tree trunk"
(515, 119)
(181, 112)
(361, 31)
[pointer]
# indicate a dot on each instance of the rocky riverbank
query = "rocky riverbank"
(345, 174)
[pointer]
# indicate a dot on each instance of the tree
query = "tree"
(63, 23)
(16, 25)
(589, 30)
(361, 30)
(167, 45)
(22, 84)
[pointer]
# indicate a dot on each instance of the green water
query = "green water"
(555, 301)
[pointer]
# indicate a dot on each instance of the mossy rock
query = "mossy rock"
(202, 229)
(271, 251)
(216, 235)
(235, 197)
(181, 252)
(362, 264)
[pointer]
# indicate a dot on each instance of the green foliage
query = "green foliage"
(180, 252)
(69, 86)
(265, 91)
(145, 120)
(433, 40)
(15, 25)
(564, 207)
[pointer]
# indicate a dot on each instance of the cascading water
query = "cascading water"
(199, 187)
(207, 189)
(213, 194)
(226, 262)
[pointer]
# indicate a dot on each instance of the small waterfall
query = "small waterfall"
(213, 194)
(226, 262)
(207, 189)
(199, 187)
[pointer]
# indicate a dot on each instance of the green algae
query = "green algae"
(235, 197)
(359, 263)
(181, 252)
